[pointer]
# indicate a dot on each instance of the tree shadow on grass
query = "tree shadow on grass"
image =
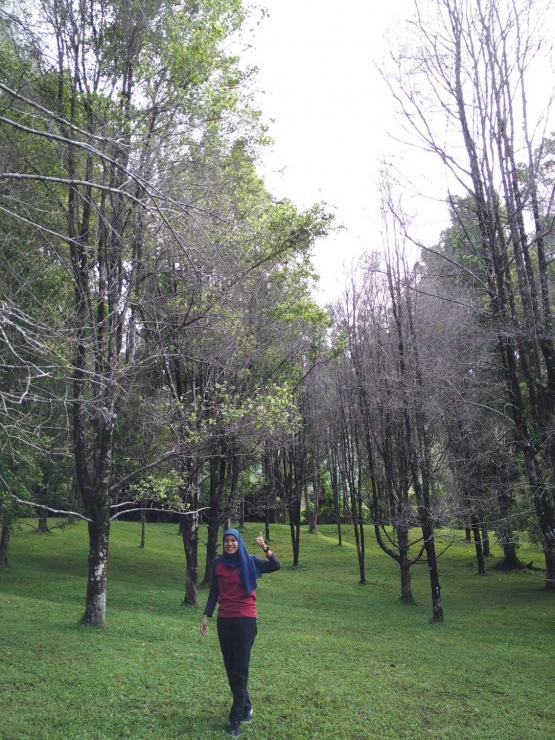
(536, 591)
(54, 580)
(118, 566)
(52, 564)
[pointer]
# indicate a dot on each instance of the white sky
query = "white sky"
(332, 113)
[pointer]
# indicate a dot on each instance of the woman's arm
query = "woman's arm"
(212, 600)
(271, 563)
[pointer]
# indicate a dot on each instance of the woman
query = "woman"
(233, 585)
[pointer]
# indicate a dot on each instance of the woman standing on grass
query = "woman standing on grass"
(233, 585)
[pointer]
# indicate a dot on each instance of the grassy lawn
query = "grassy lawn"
(333, 659)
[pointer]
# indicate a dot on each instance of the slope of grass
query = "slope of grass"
(332, 659)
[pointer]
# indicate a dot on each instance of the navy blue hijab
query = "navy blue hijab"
(247, 564)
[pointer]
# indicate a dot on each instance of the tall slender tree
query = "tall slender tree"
(477, 60)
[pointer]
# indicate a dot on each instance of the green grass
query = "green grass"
(332, 659)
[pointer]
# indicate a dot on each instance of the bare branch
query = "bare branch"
(49, 508)
(167, 511)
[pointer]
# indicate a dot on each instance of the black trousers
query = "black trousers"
(236, 635)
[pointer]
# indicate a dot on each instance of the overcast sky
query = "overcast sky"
(332, 117)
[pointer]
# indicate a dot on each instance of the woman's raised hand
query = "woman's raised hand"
(260, 541)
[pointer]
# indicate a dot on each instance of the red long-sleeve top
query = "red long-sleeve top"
(226, 589)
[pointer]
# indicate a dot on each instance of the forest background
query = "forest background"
(162, 354)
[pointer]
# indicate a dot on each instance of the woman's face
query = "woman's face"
(230, 544)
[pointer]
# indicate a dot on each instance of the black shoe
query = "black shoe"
(247, 714)
(234, 729)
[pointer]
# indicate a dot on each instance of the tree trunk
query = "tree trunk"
(267, 525)
(295, 526)
(550, 569)
(190, 545)
(404, 565)
(485, 542)
(241, 513)
(429, 540)
(406, 577)
(190, 538)
(234, 466)
(41, 494)
(43, 522)
(217, 477)
(315, 496)
(99, 532)
(294, 529)
(143, 529)
(479, 549)
(336, 500)
(359, 536)
(467, 534)
(360, 555)
(5, 538)
(309, 512)
(292, 482)
(510, 561)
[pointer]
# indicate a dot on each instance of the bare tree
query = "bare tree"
(468, 69)
(381, 420)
